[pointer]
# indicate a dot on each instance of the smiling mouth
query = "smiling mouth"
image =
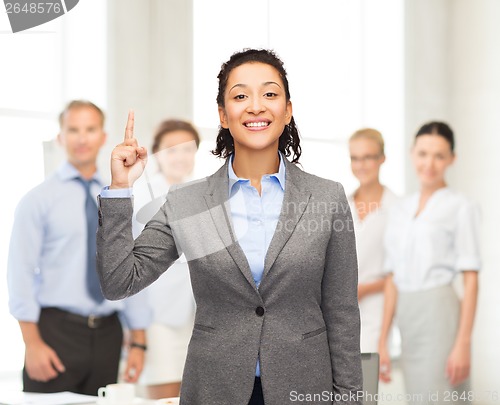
(260, 124)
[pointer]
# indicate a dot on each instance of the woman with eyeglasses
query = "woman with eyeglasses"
(432, 238)
(369, 203)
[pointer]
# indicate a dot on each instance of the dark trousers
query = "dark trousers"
(257, 397)
(89, 350)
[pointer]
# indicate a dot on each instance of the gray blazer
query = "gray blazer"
(303, 320)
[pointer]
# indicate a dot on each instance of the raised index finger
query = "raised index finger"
(129, 129)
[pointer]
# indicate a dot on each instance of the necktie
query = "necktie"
(92, 280)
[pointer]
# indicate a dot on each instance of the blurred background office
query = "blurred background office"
(388, 64)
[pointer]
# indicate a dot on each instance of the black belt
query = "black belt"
(91, 321)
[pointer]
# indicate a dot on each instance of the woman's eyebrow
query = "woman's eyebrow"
(238, 85)
(268, 83)
(263, 84)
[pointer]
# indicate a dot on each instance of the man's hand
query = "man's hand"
(136, 340)
(135, 364)
(42, 363)
(128, 159)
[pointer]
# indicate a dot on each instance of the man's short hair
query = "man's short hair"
(79, 104)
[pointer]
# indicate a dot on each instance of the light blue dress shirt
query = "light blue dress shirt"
(47, 254)
(255, 216)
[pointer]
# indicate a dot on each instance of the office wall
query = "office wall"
(474, 107)
(426, 70)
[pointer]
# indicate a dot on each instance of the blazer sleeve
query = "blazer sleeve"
(126, 266)
(340, 304)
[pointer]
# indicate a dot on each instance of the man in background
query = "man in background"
(73, 336)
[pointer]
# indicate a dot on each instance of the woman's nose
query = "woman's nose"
(256, 105)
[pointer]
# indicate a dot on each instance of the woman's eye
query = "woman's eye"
(239, 97)
(270, 94)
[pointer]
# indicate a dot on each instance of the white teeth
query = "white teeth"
(257, 124)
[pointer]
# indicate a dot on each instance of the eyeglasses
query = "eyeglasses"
(365, 158)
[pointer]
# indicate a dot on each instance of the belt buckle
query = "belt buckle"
(91, 322)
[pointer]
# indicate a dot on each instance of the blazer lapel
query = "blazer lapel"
(217, 200)
(295, 202)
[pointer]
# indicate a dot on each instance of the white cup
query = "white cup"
(116, 394)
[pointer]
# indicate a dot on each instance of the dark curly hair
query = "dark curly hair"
(289, 141)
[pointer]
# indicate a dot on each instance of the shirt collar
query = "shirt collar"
(233, 178)
(69, 172)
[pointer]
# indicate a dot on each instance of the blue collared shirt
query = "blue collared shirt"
(255, 216)
(47, 254)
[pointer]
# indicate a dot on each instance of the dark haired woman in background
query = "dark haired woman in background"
(270, 249)
(175, 144)
(432, 237)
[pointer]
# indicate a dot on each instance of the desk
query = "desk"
(60, 398)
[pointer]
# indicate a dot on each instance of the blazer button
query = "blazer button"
(259, 311)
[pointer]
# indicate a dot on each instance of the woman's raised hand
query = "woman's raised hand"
(128, 159)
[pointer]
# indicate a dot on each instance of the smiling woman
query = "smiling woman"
(257, 106)
(274, 276)
(255, 111)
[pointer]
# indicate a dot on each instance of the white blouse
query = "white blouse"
(429, 250)
(369, 237)
(370, 250)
